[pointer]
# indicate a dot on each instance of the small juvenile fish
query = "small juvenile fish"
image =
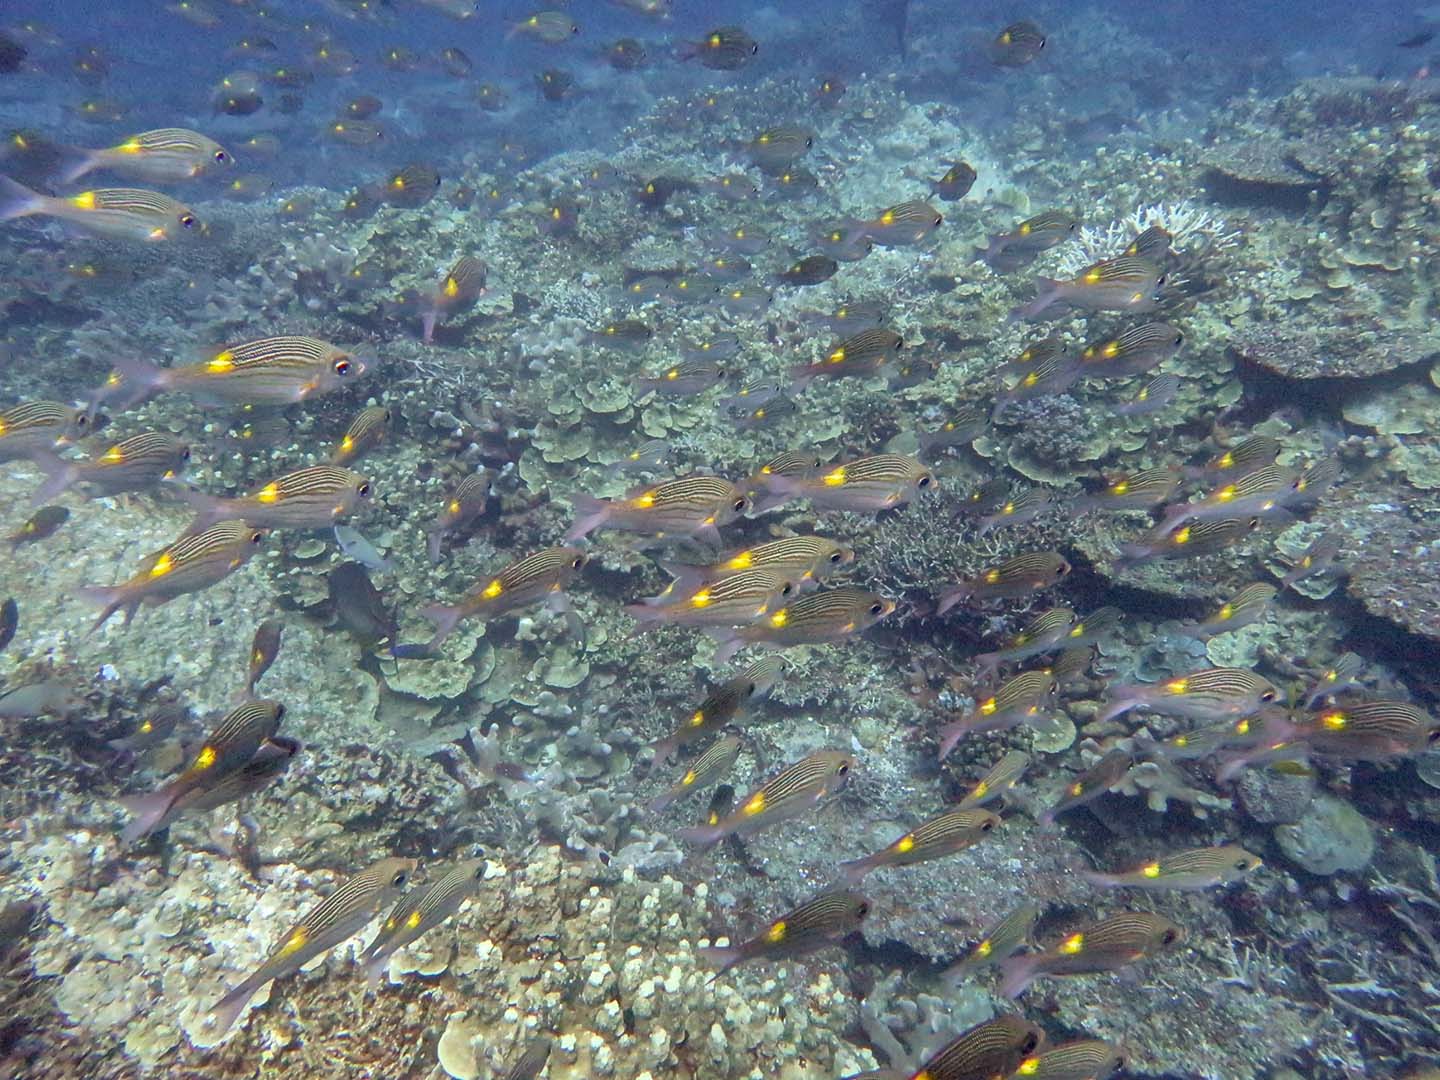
(1133, 352)
(714, 348)
(1199, 868)
(1017, 576)
(360, 134)
(1017, 45)
(1053, 375)
(870, 352)
(903, 224)
(1211, 694)
(1247, 606)
(43, 524)
(1021, 246)
(537, 578)
(811, 270)
(457, 292)
(1152, 397)
(996, 783)
(1135, 491)
(151, 731)
(709, 767)
(802, 463)
(753, 394)
(815, 619)
(945, 834)
(956, 183)
(1343, 674)
(332, 921)
(537, 1051)
(1187, 537)
(369, 428)
(995, 945)
(965, 425)
(419, 911)
(808, 559)
(777, 148)
(682, 379)
(1046, 632)
(1019, 510)
(734, 600)
(787, 795)
(138, 463)
(191, 563)
(114, 213)
(465, 504)
(412, 186)
(865, 485)
(723, 705)
(1091, 784)
(727, 49)
(1251, 453)
(990, 1049)
(687, 506)
(269, 371)
(1317, 558)
(1082, 1059)
(264, 648)
(1022, 698)
(1125, 283)
(162, 156)
(1107, 945)
(314, 497)
(811, 926)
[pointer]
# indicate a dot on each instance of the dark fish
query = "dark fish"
(153, 730)
(358, 605)
(9, 620)
(724, 704)
(555, 84)
(992, 1049)
(1016, 576)
(627, 54)
(727, 268)
(537, 1051)
(367, 430)
(1108, 945)
(420, 911)
(264, 648)
(1091, 784)
(945, 834)
(1017, 45)
(412, 186)
(830, 615)
(464, 505)
(745, 239)
(811, 926)
(722, 801)
(1133, 352)
(811, 270)
(728, 48)
(43, 524)
(995, 945)
(537, 578)
(959, 178)
(1020, 246)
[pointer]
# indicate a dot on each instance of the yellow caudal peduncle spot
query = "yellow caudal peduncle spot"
(697, 719)
(776, 933)
(84, 201)
(1075, 943)
(905, 844)
(1150, 870)
(755, 805)
(493, 590)
(129, 146)
(644, 502)
(268, 494)
(113, 456)
(988, 706)
(1029, 1067)
(701, 599)
(221, 362)
(743, 561)
(780, 618)
(1182, 536)
(1177, 686)
(414, 920)
(688, 779)
(1334, 721)
(206, 758)
(295, 942)
(452, 288)
(980, 790)
(163, 565)
(835, 477)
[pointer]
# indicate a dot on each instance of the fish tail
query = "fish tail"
(59, 475)
(16, 200)
(720, 957)
(1017, 973)
(950, 734)
(373, 966)
(445, 617)
(227, 1010)
(149, 810)
(646, 612)
(702, 836)
(1047, 292)
(132, 382)
(855, 870)
(208, 508)
(1094, 877)
(727, 645)
(75, 162)
(110, 599)
(660, 802)
(432, 546)
(1114, 708)
(591, 514)
(427, 325)
(665, 749)
(949, 598)
(686, 578)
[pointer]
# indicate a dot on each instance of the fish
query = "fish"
(536, 1051)
(990, 1049)
(870, 352)
(353, 545)
(786, 795)
(267, 371)
(458, 291)
(1314, 482)
(813, 925)
(956, 182)
(1256, 493)
(359, 608)
(1317, 558)
(1019, 699)
(728, 48)
(1055, 374)
(1417, 40)
(561, 218)
(811, 270)
(138, 463)
(1210, 694)
(722, 801)
(362, 203)
(649, 456)
(965, 425)
(734, 600)
(750, 417)
(400, 58)
(152, 731)
(1018, 510)
(1152, 243)
(1125, 283)
(1017, 45)
(490, 97)
(864, 485)
(1091, 784)
(1046, 632)
(1014, 577)
(996, 944)
(682, 379)
(1185, 537)
(112, 213)
(903, 224)
(42, 525)
(48, 697)
(714, 348)
(238, 94)
(743, 239)
(9, 621)
(314, 497)
(944, 834)
(687, 506)
(758, 486)
(753, 394)
(419, 911)
(412, 186)
(100, 111)
(846, 243)
(724, 704)
(551, 27)
(808, 558)
(1198, 868)
(367, 430)
(1344, 674)
(731, 187)
(798, 183)
(337, 917)
(817, 618)
(363, 107)
(1249, 605)
(626, 54)
(269, 763)
(1081, 1059)
(189, 564)
(1023, 244)
(264, 648)
(848, 317)
(540, 577)
(359, 134)
(1106, 945)
(1251, 453)
(162, 156)
(555, 84)
(1370, 731)
(629, 334)
(1134, 491)
(233, 742)
(777, 148)
(466, 503)
(1133, 352)
(709, 767)
(727, 268)
(996, 783)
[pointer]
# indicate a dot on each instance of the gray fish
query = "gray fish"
(138, 463)
(359, 607)
(43, 524)
(49, 697)
(264, 648)
(151, 731)
(811, 926)
(465, 504)
(356, 547)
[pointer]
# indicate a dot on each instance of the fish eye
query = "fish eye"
(862, 909)
(398, 881)
(1179, 339)
(835, 556)
(187, 220)
(185, 454)
(1434, 736)
(1031, 1042)
(221, 157)
(939, 220)
(342, 366)
(1242, 865)
(1268, 695)
(739, 505)
(1160, 280)
(1169, 937)
(257, 537)
(82, 421)
(363, 491)
(876, 609)
(843, 770)
(1062, 569)
(924, 481)
(786, 589)
(987, 826)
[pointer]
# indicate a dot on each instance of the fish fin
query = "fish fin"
(660, 802)
(142, 378)
(702, 836)
(223, 1014)
(445, 617)
(1016, 973)
(1099, 880)
(427, 325)
(432, 545)
(764, 502)
(720, 957)
(110, 598)
(665, 749)
(949, 598)
(1114, 708)
(1047, 292)
(149, 809)
(855, 870)
(59, 475)
(686, 577)
(74, 162)
(208, 508)
(727, 644)
(590, 515)
(950, 735)
(646, 614)
(17, 200)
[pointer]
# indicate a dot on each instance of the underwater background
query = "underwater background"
(736, 540)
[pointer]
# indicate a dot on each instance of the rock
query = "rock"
(1308, 349)
(1274, 798)
(1331, 838)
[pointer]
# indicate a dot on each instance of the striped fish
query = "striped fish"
(314, 497)
(724, 704)
(1051, 375)
(458, 290)
(39, 427)
(1019, 247)
(1033, 355)
(1317, 558)
(819, 617)
(760, 487)
(811, 926)
(1045, 632)
(1372, 731)
(1152, 397)
(1256, 493)
(531, 580)
(367, 430)
(867, 484)
(531, 1060)
(420, 911)
(682, 379)
(1017, 576)
(1135, 491)
(944, 834)
(1211, 694)
(1091, 784)
(852, 315)
(903, 224)
(805, 559)
(336, 918)
(269, 371)
(412, 186)
(1132, 352)
(114, 213)
(1023, 698)
(1187, 537)
(191, 563)
(1020, 510)
(1247, 606)
(264, 648)
(1343, 674)
(162, 156)
(1082, 1059)
(465, 504)
(990, 1049)
(270, 761)
(997, 943)
(688, 506)
(1107, 945)
(965, 425)
(870, 352)
(786, 795)
(1198, 868)
(134, 464)
(709, 767)
(996, 783)
(733, 600)
(1153, 243)
(1125, 283)
(1249, 454)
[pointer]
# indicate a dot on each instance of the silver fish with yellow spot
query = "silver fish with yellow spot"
(537, 578)
(829, 615)
(35, 428)
(1249, 605)
(996, 944)
(944, 834)
(1126, 283)
(1133, 352)
(1211, 694)
(1080, 1059)
(724, 704)
(808, 559)
(709, 767)
(811, 926)
(162, 156)
(903, 224)
(138, 463)
(462, 506)
(787, 795)
(1197, 868)
(315, 497)
(114, 213)
(1024, 698)
(867, 484)
(419, 912)
(687, 506)
(367, 430)
(1017, 576)
(1107, 945)
(996, 783)
(733, 600)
